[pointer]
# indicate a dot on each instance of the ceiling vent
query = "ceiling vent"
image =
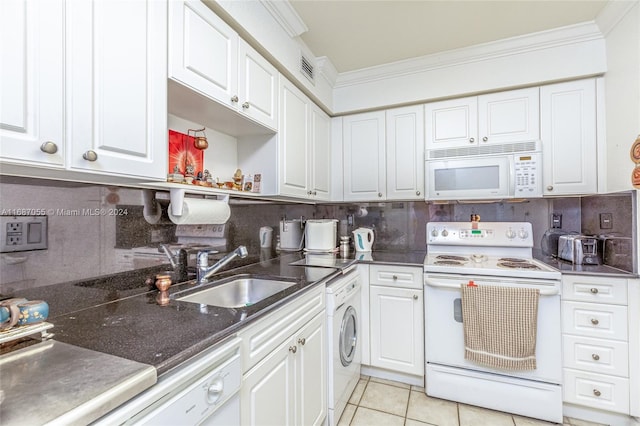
(307, 68)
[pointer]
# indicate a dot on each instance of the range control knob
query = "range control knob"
(434, 232)
(511, 234)
(445, 232)
(215, 390)
(523, 234)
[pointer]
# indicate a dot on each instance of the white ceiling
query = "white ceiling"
(357, 34)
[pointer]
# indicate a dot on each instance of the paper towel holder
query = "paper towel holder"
(177, 200)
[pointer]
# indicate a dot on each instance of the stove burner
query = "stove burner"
(512, 260)
(518, 265)
(448, 262)
(451, 257)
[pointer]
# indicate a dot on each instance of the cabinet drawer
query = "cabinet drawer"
(596, 391)
(593, 320)
(596, 355)
(594, 289)
(393, 275)
(259, 339)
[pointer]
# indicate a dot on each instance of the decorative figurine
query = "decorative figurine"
(189, 175)
(176, 175)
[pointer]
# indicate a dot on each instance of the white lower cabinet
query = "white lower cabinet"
(396, 313)
(288, 384)
(595, 342)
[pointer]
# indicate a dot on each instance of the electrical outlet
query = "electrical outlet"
(14, 227)
(556, 220)
(23, 233)
(14, 240)
(606, 220)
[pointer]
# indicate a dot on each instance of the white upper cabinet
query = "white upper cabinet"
(405, 153)
(117, 87)
(32, 82)
(304, 146)
(95, 104)
(208, 56)
(258, 86)
(474, 122)
(364, 156)
(568, 130)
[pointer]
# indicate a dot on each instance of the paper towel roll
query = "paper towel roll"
(197, 211)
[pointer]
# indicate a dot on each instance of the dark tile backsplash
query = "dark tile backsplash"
(86, 247)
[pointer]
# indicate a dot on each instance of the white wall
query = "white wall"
(622, 98)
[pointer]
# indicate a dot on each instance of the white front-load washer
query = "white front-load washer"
(343, 335)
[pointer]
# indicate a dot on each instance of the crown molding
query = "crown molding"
(286, 16)
(613, 13)
(507, 47)
(327, 70)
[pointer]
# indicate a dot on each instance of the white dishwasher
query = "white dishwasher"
(205, 391)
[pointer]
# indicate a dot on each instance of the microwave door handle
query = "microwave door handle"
(512, 175)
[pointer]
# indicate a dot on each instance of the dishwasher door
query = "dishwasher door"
(205, 390)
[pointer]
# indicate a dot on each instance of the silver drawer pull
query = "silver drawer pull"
(394, 277)
(415, 297)
(90, 155)
(302, 341)
(293, 349)
(595, 357)
(49, 147)
(595, 321)
(596, 392)
(594, 290)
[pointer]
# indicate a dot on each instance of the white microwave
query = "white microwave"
(487, 177)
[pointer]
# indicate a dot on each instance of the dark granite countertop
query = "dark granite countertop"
(119, 315)
(569, 268)
(406, 258)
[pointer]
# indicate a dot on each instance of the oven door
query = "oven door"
(477, 178)
(444, 334)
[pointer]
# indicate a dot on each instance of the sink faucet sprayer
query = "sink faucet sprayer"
(178, 261)
(205, 271)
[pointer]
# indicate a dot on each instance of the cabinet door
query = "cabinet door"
(117, 87)
(405, 153)
(257, 86)
(293, 141)
(397, 330)
(32, 81)
(203, 51)
(568, 133)
(364, 156)
(311, 385)
(320, 167)
(451, 124)
(508, 117)
(267, 395)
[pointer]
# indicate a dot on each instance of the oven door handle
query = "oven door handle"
(431, 283)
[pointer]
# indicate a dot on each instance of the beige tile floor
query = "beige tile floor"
(382, 402)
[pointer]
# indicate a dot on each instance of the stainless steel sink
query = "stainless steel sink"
(240, 292)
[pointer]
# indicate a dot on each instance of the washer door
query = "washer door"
(348, 336)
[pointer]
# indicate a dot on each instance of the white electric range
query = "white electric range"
(497, 254)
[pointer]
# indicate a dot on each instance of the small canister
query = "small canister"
(344, 246)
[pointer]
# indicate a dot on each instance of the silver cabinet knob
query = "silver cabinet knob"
(550, 188)
(379, 194)
(314, 193)
(595, 357)
(415, 297)
(49, 147)
(293, 349)
(417, 192)
(484, 139)
(472, 140)
(90, 155)
(594, 290)
(596, 392)
(302, 341)
(595, 321)
(309, 192)
(395, 277)
(245, 105)
(234, 98)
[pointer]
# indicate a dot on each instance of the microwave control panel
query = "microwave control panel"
(528, 179)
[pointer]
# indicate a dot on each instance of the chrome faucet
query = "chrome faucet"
(178, 261)
(205, 271)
